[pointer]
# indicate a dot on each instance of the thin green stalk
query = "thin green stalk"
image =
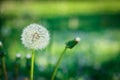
(32, 65)
(57, 64)
(4, 69)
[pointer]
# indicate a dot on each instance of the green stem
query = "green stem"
(57, 64)
(32, 65)
(4, 69)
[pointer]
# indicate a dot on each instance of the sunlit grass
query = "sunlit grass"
(52, 9)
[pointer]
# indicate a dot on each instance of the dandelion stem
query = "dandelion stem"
(4, 68)
(57, 64)
(32, 65)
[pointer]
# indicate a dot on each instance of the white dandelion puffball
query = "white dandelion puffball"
(35, 37)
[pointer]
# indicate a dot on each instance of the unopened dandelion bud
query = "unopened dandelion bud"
(17, 66)
(1, 50)
(77, 39)
(0, 44)
(28, 61)
(17, 61)
(18, 55)
(28, 56)
(72, 43)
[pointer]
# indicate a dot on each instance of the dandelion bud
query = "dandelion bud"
(17, 66)
(1, 50)
(72, 43)
(18, 55)
(0, 44)
(28, 56)
(77, 39)
(28, 61)
(17, 61)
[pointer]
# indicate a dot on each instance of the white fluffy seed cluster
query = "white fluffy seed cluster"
(35, 37)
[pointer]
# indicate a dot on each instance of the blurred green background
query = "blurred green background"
(96, 22)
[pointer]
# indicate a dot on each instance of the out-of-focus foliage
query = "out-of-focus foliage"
(96, 57)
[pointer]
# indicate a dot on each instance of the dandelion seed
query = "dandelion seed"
(35, 37)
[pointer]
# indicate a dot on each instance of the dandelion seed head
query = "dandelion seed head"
(35, 37)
